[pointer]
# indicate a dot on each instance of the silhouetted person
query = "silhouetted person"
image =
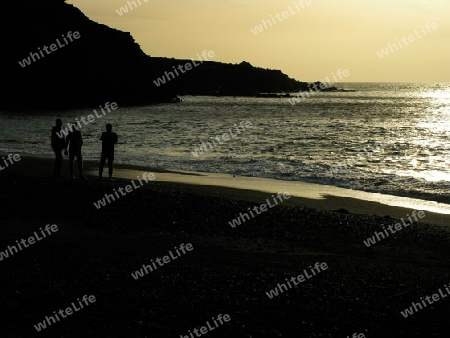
(109, 139)
(75, 142)
(58, 145)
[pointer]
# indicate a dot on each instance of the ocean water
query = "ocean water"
(382, 137)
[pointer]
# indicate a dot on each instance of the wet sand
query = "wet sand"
(317, 196)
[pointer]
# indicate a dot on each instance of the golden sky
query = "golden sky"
(309, 43)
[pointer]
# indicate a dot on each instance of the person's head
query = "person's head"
(74, 126)
(109, 127)
(58, 123)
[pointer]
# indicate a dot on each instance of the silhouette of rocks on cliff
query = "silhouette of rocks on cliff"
(215, 78)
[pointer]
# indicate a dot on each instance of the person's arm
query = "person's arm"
(66, 143)
(116, 138)
(68, 140)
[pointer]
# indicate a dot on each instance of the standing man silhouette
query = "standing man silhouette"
(58, 145)
(109, 139)
(76, 142)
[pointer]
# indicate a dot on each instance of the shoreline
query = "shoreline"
(253, 189)
(96, 251)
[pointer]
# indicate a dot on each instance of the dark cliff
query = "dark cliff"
(103, 64)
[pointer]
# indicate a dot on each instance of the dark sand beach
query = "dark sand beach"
(229, 270)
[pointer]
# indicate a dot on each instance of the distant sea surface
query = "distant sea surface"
(382, 137)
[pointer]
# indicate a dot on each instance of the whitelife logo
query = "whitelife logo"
(87, 300)
(109, 198)
(284, 15)
(398, 226)
(53, 48)
(263, 207)
(406, 41)
(12, 159)
(220, 320)
(123, 10)
(49, 229)
(166, 259)
(425, 301)
(356, 335)
(317, 88)
(341, 166)
(225, 137)
(187, 67)
(318, 268)
(90, 118)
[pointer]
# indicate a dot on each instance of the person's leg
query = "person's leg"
(110, 165)
(102, 164)
(58, 164)
(80, 165)
(71, 158)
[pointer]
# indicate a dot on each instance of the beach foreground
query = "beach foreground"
(229, 270)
